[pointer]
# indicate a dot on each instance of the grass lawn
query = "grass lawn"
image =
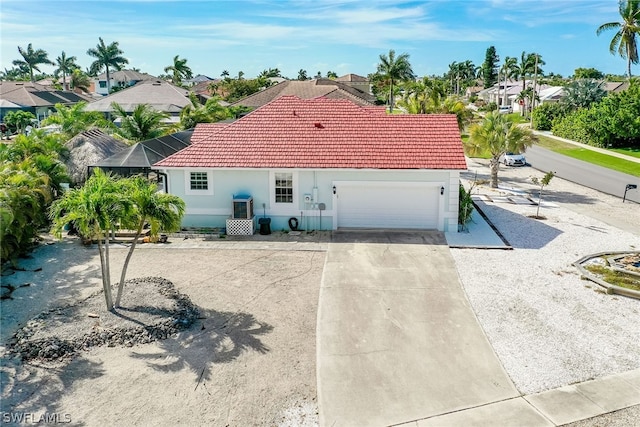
(615, 277)
(590, 156)
(633, 152)
(517, 118)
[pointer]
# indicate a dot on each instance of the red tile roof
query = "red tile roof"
(205, 130)
(327, 133)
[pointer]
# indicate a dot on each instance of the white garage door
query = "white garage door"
(387, 205)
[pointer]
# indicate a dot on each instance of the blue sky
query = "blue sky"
(345, 36)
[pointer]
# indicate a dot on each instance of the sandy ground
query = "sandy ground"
(263, 373)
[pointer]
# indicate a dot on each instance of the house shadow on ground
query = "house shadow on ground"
(519, 230)
(216, 337)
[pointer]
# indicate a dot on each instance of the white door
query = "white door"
(387, 205)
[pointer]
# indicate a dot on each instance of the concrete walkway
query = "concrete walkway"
(589, 147)
(550, 408)
(397, 339)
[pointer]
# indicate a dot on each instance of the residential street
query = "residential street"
(583, 173)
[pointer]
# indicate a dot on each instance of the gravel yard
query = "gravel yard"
(549, 327)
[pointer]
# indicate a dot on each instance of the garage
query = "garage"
(387, 205)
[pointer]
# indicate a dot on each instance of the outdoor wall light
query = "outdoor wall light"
(442, 190)
(334, 189)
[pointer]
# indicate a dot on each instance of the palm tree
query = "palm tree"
(302, 74)
(162, 211)
(624, 40)
(74, 119)
(224, 74)
(582, 93)
(19, 120)
(179, 70)
(529, 65)
(497, 135)
(66, 67)
(394, 70)
(144, 122)
(106, 57)
(508, 71)
(31, 59)
(79, 80)
(24, 192)
(94, 210)
(195, 113)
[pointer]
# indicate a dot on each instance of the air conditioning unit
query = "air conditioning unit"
(242, 207)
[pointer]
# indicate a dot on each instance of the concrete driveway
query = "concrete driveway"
(397, 339)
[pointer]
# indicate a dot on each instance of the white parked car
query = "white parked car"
(513, 159)
(505, 109)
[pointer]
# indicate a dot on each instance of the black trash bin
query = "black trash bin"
(265, 225)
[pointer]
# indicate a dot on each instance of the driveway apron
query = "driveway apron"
(397, 338)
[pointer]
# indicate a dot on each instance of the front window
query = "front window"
(199, 181)
(284, 187)
(103, 84)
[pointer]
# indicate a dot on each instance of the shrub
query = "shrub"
(545, 114)
(465, 206)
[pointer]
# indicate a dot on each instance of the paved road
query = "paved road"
(397, 338)
(583, 173)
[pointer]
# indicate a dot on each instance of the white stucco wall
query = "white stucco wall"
(213, 207)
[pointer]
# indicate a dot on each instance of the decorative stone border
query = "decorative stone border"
(611, 289)
(54, 348)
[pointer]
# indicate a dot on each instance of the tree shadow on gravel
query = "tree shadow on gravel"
(520, 231)
(217, 337)
(36, 389)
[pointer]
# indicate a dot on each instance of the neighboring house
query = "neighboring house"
(200, 78)
(496, 92)
(159, 94)
(615, 87)
(122, 78)
(86, 149)
(203, 89)
(37, 99)
(140, 157)
(356, 82)
(472, 90)
(307, 89)
(550, 94)
(294, 157)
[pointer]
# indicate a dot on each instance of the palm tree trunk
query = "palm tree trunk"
(108, 269)
(391, 97)
(104, 266)
(126, 263)
(504, 97)
(494, 164)
(108, 80)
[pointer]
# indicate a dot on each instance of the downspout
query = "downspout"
(165, 179)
